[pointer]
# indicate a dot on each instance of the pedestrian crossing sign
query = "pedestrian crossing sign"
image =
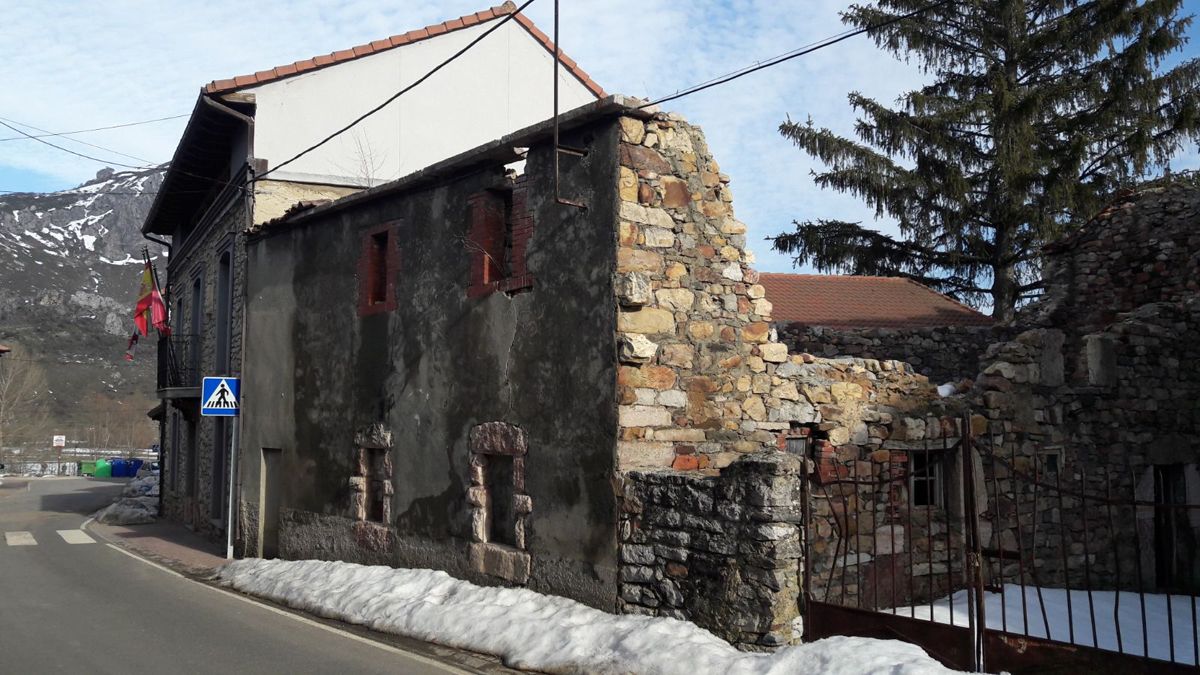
(220, 397)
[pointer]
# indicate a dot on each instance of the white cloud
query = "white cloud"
(85, 64)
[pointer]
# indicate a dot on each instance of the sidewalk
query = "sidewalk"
(169, 544)
(177, 548)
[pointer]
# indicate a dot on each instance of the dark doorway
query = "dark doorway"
(268, 495)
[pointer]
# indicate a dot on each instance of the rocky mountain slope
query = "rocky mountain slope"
(70, 266)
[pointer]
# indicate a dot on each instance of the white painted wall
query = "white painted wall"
(501, 85)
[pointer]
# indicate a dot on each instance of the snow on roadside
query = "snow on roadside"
(1111, 609)
(529, 630)
(138, 503)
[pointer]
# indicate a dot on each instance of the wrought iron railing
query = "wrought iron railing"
(178, 361)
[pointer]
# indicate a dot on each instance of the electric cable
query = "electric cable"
(84, 131)
(788, 56)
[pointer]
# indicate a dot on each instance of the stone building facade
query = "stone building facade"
(660, 485)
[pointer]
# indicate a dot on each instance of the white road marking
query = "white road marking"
(76, 537)
(19, 539)
(295, 617)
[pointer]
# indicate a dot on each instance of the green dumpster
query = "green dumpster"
(87, 468)
(103, 469)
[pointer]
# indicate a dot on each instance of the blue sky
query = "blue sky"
(75, 65)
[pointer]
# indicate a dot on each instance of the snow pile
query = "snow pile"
(138, 503)
(1111, 609)
(541, 632)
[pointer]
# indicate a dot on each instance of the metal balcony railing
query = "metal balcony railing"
(178, 361)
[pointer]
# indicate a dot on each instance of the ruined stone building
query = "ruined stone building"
(454, 370)
(239, 164)
(576, 383)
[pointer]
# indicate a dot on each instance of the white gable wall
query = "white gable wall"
(501, 85)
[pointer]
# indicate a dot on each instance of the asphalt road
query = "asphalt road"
(90, 607)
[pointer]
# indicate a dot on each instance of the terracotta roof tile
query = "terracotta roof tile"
(359, 51)
(863, 302)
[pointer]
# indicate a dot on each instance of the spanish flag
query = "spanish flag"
(150, 310)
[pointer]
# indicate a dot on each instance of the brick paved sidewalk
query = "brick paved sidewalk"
(168, 544)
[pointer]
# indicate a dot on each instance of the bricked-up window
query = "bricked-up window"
(498, 240)
(378, 265)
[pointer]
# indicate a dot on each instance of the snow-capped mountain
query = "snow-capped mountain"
(70, 267)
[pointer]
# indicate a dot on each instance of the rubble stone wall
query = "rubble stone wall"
(943, 354)
(1098, 392)
(709, 395)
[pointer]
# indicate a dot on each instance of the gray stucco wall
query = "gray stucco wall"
(543, 360)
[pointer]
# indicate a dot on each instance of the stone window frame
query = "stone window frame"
(373, 442)
(369, 267)
(511, 563)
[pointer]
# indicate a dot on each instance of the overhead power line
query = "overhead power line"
(68, 150)
(398, 94)
(795, 53)
(74, 140)
(48, 134)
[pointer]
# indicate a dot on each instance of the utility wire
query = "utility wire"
(788, 56)
(84, 131)
(68, 150)
(76, 140)
(398, 94)
(124, 166)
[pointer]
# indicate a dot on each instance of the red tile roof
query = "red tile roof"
(278, 73)
(863, 302)
(4, 350)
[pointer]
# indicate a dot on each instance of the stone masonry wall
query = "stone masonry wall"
(1099, 391)
(201, 260)
(944, 354)
(709, 395)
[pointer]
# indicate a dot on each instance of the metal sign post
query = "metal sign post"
(221, 397)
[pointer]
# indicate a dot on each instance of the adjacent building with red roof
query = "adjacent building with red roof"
(863, 302)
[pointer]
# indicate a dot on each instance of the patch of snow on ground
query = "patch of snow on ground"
(138, 503)
(542, 632)
(1111, 609)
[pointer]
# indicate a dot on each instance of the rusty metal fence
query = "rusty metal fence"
(1019, 558)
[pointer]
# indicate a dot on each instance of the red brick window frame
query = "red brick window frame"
(498, 239)
(378, 265)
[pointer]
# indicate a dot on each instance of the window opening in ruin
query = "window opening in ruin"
(1174, 539)
(377, 496)
(502, 518)
(1050, 462)
(506, 266)
(925, 478)
(377, 268)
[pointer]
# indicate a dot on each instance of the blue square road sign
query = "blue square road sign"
(220, 397)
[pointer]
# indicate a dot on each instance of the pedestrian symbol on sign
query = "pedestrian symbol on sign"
(220, 396)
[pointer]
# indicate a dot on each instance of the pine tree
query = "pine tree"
(1038, 111)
